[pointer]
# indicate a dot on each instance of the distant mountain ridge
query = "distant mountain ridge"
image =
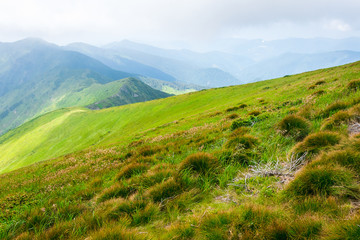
(37, 76)
(42, 77)
(237, 61)
(119, 63)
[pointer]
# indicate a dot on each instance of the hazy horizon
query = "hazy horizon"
(179, 24)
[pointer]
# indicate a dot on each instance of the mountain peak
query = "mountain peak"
(34, 42)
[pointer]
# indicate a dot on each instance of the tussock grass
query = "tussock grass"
(242, 105)
(181, 231)
(231, 109)
(315, 142)
(245, 141)
(254, 113)
(305, 228)
(147, 151)
(321, 82)
(241, 123)
(324, 181)
(333, 108)
(117, 190)
(131, 169)
(115, 232)
(201, 163)
(179, 168)
(294, 126)
(155, 176)
(184, 201)
(317, 204)
(232, 116)
(348, 229)
(165, 190)
(319, 92)
(336, 120)
(354, 85)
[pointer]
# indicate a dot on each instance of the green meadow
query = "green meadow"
(276, 159)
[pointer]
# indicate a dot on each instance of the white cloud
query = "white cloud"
(101, 21)
(337, 24)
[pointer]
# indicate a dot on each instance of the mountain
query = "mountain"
(38, 77)
(239, 61)
(126, 122)
(236, 61)
(118, 62)
(131, 91)
(276, 159)
(185, 66)
(293, 63)
(259, 49)
(149, 75)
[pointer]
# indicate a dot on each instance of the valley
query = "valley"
(268, 160)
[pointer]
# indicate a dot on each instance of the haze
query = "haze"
(176, 23)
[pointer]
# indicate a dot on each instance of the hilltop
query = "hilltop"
(276, 159)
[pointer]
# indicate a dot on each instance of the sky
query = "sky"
(192, 22)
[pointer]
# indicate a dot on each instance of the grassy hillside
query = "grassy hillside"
(270, 160)
(43, 74)
(131, 91)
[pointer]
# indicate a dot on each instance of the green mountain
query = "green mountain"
(153, 77)
(131, 91)
(38, 77)
(277, 159)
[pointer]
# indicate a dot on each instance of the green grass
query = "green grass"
(175, 168)
(122, 124)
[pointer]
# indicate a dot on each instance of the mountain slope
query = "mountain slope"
(131, 91)
(119, 63)
(183, 68)
(39, 77)
(127, 122)
(277, 159)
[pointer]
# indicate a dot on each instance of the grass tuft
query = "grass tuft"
(131, 169)
(354, 85)
(165, 190)
(294, 126)
(315, 142)
(245, 141)
(348, 229)
(254, 113)
(333, 108)
(200, 163)
(336, 120)
(115, 232)
(115, 191)
(324, 181)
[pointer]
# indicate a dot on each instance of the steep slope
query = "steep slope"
(277, 159)
(149, 75)
(38, 75)
(127, 122)
(131, 91)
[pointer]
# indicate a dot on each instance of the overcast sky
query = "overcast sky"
(193, 21)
